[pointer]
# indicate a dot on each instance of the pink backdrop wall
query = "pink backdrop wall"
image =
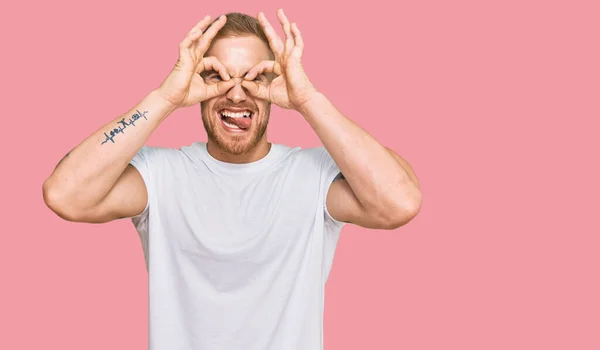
(495, 105)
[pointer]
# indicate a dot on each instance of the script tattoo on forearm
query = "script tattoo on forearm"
(122, 125)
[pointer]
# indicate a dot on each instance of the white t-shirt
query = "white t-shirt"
(237, 254)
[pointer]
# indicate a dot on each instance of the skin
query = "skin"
(95, 182)
(238, 55)
(380, 189)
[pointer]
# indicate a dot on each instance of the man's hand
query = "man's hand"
(291, 87)
(184, 86)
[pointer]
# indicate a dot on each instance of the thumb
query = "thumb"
(256, 90)
(219, 89)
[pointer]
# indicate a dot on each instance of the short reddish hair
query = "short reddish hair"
(239, 24)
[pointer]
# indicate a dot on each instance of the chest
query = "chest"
(257, 216)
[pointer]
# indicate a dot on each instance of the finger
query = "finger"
(289, 39)
(256, 90)
(213, 63)
(202, 24)
(266, 66)
(274, 40)
(219, 88)
(194, 33)
(299, 47)
(208, 36)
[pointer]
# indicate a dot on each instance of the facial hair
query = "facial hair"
(232, 143)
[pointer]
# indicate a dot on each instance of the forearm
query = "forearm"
(379, 181)
(87, 173)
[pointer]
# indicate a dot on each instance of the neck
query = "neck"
(254, 154)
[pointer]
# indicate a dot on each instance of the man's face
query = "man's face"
(235, 121)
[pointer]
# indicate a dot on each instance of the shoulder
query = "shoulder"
(161, 153)
(311, 155)
(154, 152)
(154, 162)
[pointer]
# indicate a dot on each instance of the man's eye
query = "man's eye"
(213, 77)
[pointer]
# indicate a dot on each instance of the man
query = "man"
(238, 233)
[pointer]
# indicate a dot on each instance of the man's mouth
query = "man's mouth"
(237, 120)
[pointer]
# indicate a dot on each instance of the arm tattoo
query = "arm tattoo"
(122, 125)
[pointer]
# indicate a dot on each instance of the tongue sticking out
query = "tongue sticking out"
(243, 123)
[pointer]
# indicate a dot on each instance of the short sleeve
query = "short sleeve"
(148, 160)
(142, 161)
(330, 172)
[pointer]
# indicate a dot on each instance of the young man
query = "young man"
(238, 233)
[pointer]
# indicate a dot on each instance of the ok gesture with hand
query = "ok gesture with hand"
(184, 86)
(291, 87)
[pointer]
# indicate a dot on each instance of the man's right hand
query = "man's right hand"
(184, 86)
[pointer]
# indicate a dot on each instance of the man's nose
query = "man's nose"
(237, 93)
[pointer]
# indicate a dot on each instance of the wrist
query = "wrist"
(310, 102)
(163, 103)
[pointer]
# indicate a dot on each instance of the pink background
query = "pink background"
(495, 105)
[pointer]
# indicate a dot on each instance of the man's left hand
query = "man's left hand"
(291, 87)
